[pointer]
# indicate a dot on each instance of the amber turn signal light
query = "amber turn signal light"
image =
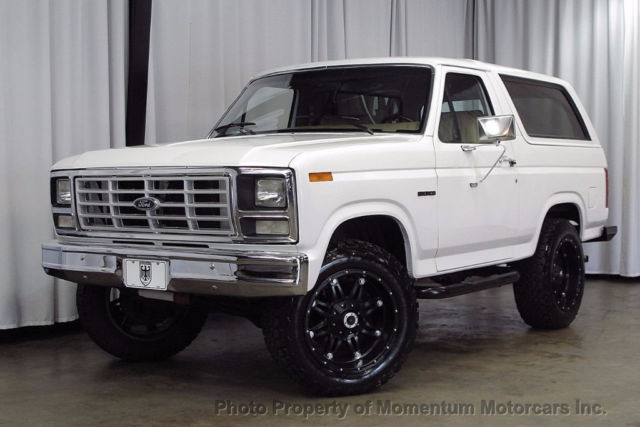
(320, 176)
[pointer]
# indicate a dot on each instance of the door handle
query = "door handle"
(512, 162)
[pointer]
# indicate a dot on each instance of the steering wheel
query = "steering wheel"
(338, 116)
(397, 118)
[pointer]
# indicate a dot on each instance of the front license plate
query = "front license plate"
(146, 274)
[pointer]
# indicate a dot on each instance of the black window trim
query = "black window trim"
(445, 94)
(517, 79)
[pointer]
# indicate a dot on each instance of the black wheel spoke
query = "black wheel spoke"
(354, 345)
(320, 333)
(369, 302)
(370, 311)
(367, 324)
(321, 307)
(356, 291)
(368, 332)
(337, 345)
(336, 290)
(321, 304)
(319, 326)
(321, 311)
(330, 343)
(333, 345)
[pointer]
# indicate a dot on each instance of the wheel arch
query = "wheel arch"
(570, 211)
(569, 206)
(385, 231)
(363, 212)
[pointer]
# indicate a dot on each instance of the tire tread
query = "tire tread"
(534, 298)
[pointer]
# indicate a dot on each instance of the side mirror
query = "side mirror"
(496, 128)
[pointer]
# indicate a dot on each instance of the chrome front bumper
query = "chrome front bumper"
(203, 272)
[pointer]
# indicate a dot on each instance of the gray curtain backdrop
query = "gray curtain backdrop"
(203, 52)
(62, 89)
(62, 92)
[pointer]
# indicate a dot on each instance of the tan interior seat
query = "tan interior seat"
(466, 120)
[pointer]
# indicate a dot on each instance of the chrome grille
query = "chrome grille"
(197, 204)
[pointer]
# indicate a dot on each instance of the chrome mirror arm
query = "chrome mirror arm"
(504, 150)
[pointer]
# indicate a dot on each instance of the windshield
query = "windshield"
(350, 99)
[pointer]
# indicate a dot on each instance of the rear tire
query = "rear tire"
(551, 285)
(134, 328)
(353, 331)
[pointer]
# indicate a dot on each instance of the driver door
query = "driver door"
(476, 223)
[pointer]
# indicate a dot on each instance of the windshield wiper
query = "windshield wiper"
(223, 128)
(361, 127)
(324, 129)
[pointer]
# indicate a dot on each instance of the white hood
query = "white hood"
(274, 150)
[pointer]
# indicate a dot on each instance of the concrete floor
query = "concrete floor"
(469, 349)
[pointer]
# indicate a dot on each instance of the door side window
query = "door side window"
(465, 99)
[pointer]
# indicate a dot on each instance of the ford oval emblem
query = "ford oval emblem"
(146, 203)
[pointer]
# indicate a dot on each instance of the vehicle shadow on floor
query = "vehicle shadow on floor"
(452, 342)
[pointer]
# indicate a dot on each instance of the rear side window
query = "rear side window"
(546, 110)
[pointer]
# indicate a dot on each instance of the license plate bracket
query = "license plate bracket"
(146, 274)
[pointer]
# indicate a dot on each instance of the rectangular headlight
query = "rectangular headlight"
(271, 193)
(63, 191)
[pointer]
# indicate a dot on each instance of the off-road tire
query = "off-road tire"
(97, 317)
(285, 321)
(539, 304)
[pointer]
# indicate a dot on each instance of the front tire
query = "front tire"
(551, 285)
(353, 331)
(134, 328)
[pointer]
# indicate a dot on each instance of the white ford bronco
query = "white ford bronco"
(329, 198)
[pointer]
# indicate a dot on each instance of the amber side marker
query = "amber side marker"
(320, 176)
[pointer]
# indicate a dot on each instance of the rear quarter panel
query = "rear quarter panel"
(553, 171)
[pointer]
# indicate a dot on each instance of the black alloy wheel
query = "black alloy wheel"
(352, 332)
(134, 328)
(352, 322)
(565, 275)
(141, 318)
